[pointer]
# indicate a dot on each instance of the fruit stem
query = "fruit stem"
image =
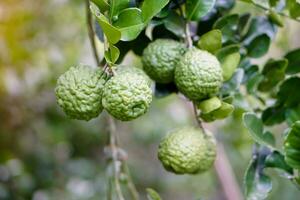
(91, 32)
(114, 152)
(198, 119)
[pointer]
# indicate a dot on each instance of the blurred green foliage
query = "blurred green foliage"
(45, 156)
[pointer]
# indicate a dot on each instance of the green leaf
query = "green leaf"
(294, 8)
(276, 160)
(292, 115)
(294, 61)
(112, 54)
(253, 81)
(209, 105)
(229, 64)
(259, 46)
(130, 23)
(151, 7)
(229, 27)
(273, 115)
(149, 30)
(275, 18)
(116, 6)
(257, 184)
(195, 9)
(274, 72)
(287, 95)
(292, 146)
(102, 5)
(255, 128)
(112, 33)
(152, 194)
(258, 27)
(211, 41)
(264, 3)
(175, 24)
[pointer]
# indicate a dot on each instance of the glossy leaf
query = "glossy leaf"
(287, 95)
(276, 160)
(175, 24)
(151, 7)
(112, 33)
(256, 130)
(292, 146)
(229, 27)
(232, 85)
(102, 5)
(116, 6)
(273, 115)
(259, 46)
(294, 61)
(294, 8)
(292, 115)
(229, 62)
(274, 72)
(257, 184)
(211, 41)
(195, 9)
(130, 23)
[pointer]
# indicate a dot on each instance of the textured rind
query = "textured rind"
(130, 70)
(79, 92)
(160, 58)
(187, 151)
(198, 75)
(127, 96)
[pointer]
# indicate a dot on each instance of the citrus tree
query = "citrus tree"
(206, 54)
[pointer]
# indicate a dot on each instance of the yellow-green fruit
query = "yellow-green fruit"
(160, 58)
(79, 92)
(187, 151)
(198, 75)
(127, 96)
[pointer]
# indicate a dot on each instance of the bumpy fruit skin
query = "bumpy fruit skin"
(127, 96)
(187, 151)
(79, 92)
(160, 58)
(198, 75)
(133, 70)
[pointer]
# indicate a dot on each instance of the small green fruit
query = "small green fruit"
(79, 92)
(160, 58)
(127, 96)
(198, 75)
(187, 151)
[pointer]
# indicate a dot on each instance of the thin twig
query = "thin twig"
(131, 187)
(279, 13)
(114, 152)
(91, 32)
(197, 118)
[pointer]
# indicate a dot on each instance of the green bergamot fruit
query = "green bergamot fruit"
(198, 74)
(127, 96)
(79, 92)
(187, 151)
(126, 69)
(160, 58)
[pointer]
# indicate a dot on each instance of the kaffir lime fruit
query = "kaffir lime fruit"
(79, 92)
(198, 74)
(127, 96)
(187, 151)
(160, 58)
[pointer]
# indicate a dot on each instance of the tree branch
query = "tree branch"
(91, 32)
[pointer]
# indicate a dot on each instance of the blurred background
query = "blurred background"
(45, 156)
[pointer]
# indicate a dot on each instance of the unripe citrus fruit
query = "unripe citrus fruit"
(79, 92)
(127, 96)
(198, 75)
(160, 58)
(187, 151)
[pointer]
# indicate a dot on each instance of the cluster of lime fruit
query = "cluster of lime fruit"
(198, 75)
(83, 92)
